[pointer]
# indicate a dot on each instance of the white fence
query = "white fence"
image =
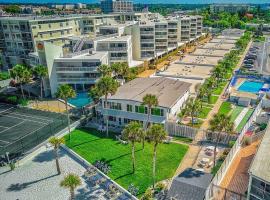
(174, 129)
(234, 150)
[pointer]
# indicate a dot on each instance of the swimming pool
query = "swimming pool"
(250, 86)
(82, 99)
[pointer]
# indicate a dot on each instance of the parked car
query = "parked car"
(248, 66)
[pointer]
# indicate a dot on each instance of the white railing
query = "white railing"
(147, 32)
(76, 79)
(147, 40)
(234, 150)
(79, 69)
(118, 58)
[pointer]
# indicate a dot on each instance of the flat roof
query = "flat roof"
(261, 162)
(200, 60)
(97, 55)
(218, 46)
(168, 91)
(188, 71)
(210, 52)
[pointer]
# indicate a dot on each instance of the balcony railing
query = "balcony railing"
(79, 69)
(118, 48)
(147, 32)
(147, 40)
(162, 36)
(118, 58)
(161, 43)
(161, 29)
(147, 48)
(71, 80)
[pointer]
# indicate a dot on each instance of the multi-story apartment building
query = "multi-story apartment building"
(259, 176)
(126, 104)
(78, 69)
(232, 8)
(116, 6)
(119, 48)
(21, 35)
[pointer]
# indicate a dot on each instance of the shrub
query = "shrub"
(4, 76)
(246, 141)
(12, 99)
(263, 126)
(159, 186)
(231, 143)
(23, 102)
(148, 195)
(12, 166)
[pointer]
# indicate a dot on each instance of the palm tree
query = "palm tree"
(156, 134)
(65, 92)
(150, 101)
(105, 70)
(22, 75)
(71, 181)
(133, 132)
(220, 124)
(120, 69)
(106, 85)
(56, 142)
(191, 109)
(41, 72)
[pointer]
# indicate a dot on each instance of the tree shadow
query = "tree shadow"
(121, 156)
(47, 156)
(76, 145)
(124, 175)
(21, 186)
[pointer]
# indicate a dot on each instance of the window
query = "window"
(157, 112)
(141, 109)
(112, 118)
(50, 34)
(127, 121)
(129, 108)
(114, 106)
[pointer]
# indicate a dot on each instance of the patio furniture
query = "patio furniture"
(203, 162)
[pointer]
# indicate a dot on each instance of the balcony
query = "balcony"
(118, 48)
(77, 80)
(147, 32)
(119, 58)
(147, 40)
(161, 43)
(161, 29)
(162, 36)
(78, 69)
(172, 26)
(147, 48)
(172, 33)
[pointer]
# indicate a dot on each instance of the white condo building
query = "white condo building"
(126, 104)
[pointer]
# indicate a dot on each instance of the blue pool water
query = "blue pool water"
(82, 99)
(251, 86)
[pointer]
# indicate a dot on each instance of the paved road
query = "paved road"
(265, 61)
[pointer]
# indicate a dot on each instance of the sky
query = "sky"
(140, 1)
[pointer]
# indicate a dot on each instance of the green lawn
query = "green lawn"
(219, 89)
(204, 112)
(244, 120)
(213, 99)
(183, 139)
(236, 111)
(93, 146)
(225, 108)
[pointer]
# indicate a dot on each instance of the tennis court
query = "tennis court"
(21, 129)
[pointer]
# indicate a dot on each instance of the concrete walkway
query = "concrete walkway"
(240, 117)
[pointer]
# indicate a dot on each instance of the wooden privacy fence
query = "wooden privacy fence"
(174, 129)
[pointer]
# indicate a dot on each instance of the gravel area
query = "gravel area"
(37, 179)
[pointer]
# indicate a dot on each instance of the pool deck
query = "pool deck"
(234, 90)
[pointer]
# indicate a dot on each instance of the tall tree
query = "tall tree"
(150, 101)
(65, 92)
(133, 132)
(120, 69)
(105, 70)
(41, 71)
(106, 85)
(155, 134)
(22, 75)
(219, 124)
(56, 142)
(71, 182)
(191, 109)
